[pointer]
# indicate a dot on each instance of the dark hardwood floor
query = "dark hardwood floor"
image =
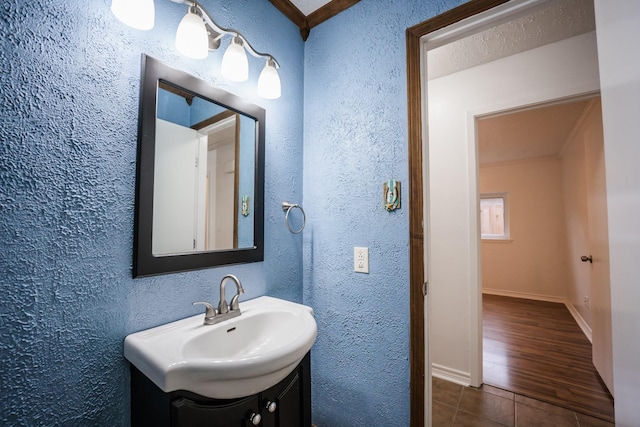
(536, 349)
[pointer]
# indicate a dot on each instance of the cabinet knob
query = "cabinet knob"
(255, 419)
(271, 406)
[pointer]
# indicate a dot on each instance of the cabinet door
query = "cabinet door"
(285, 401)
(292, 398)
(186, 412)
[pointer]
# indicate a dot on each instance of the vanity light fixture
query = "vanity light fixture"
(138, 14)
(269, 81)
(198, 34)
(235, 65)
(192, 39)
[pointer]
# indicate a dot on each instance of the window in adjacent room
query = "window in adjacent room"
(494, 216)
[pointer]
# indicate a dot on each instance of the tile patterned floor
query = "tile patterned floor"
(455, 405)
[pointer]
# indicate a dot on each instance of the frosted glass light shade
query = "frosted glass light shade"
(191, 38)
(235, 65)
(269, 82)
(138, 14)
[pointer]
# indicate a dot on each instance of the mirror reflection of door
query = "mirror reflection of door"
(197, 176)
(222, 176)
(175, 177)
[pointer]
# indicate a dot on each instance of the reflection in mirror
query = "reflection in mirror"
(204, 165)
(199, 200)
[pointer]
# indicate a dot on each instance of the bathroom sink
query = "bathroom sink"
(235, 358)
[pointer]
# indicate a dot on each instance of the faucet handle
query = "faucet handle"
(209, 314)
(235, 304)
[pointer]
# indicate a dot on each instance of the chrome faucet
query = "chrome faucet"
(223, 308)
(224, 311)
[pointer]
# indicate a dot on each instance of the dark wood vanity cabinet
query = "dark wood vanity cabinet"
(287, 404)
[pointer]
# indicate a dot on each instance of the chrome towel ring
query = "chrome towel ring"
(286, 206)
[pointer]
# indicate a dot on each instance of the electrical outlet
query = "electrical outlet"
(586, 302)
(361, 260)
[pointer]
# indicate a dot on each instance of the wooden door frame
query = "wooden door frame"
(416, 199)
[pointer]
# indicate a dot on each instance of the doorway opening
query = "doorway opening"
(432, 33)
(536, 289)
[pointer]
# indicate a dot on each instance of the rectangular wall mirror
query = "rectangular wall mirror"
(200, 177)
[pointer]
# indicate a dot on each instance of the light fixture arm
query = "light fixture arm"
(226, 31)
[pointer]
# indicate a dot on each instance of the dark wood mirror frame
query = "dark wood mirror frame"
(144, 262)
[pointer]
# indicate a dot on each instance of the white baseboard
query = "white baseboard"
(525, 295)
(538, 297)
(580, 320)
(450, 374)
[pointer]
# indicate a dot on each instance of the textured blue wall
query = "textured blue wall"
(355, 138)
(173, 108)
(69, 85)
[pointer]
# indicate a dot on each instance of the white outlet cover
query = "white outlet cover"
(361, 260)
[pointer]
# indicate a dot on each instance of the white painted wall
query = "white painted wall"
(533, 264)
(558, 70)
(618, 28)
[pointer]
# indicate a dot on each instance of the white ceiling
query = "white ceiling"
(309, 6)
(553, 21)
(532, 133)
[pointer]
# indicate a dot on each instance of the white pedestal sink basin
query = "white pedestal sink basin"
(235, 358)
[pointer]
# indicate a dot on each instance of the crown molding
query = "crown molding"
(306, 23)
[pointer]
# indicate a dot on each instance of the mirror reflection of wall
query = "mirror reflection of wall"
(204, 165)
